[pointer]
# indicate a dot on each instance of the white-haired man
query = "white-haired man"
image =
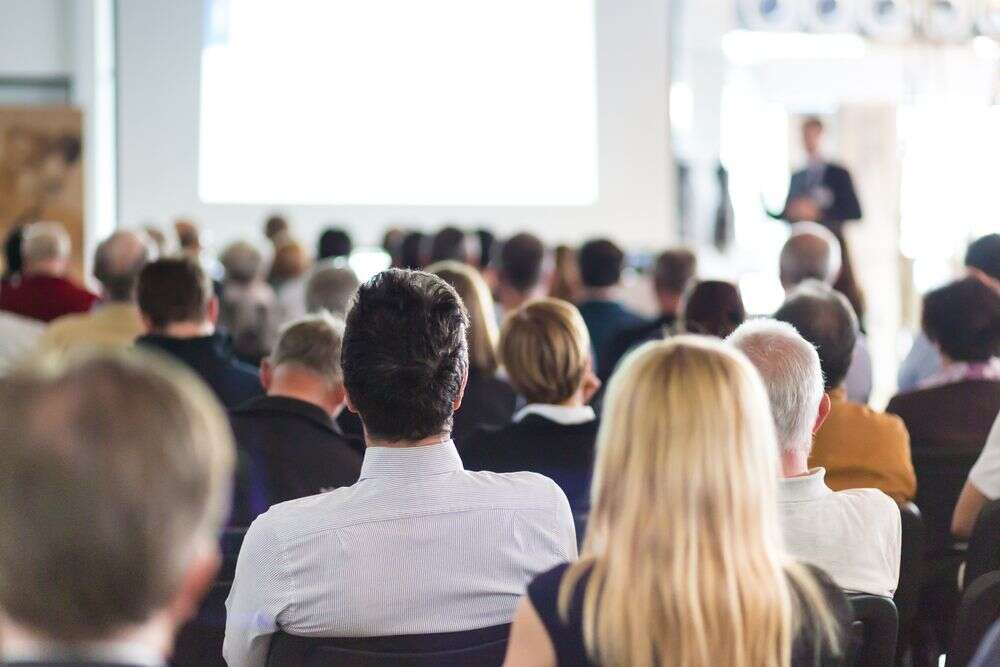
(853, 535)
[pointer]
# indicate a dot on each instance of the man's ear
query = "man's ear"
(823, 413)
(266, 374)
(457, 403)
(591, 383)
(198, 578)
(212, 311)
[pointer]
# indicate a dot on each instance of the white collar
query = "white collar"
(811, 486)
(560, 414)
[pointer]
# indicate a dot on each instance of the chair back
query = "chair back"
(979, 609)
(941, 474)
(910, 564)
(875, 628)
(983, 554)
(484, 647)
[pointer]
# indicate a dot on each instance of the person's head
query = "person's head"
(601, 264)
(392, 241)
(687, 441)
(963, 319)
(405, 356)
(289, 262)
(13, 262)
(475, 295)
(45, 248)
(305, 362)
(674, 271)
(487, 242)
(812, 136)
(412, 251)
(118, 261)
(275, 227)
(983, 255)
(158, 239)
(334, 242)
(545, 349)
(242, 262)
(713, 308)
(566, 283)
(825, 318)
(812, 252)
(330, 287)
(790, 368)
(176, 291)
(114, 487)
(521, 264)
(188, 237)
(454, 244)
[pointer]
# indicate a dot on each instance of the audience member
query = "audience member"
(276, 229)
(392, 244)
(287, 275)
(18, 339)
(545, 350)
(566, 282)
(116, 320)
(180, 310)
(857, 446)
(488, 400)
(413, 251)
(188, 238)
(454, 244)
(601, 266)
(521, 271)
(334, 242)
(674, 271)
(853, 535)
(288, 437)
(156, 236)
(712, 308)
(419, 545)
(331, 287)
(248, 306)
(983, 485)
(42, 290)
(487, 242)
(113, 490)
(683, 563)
(812, 252)
(13, 262)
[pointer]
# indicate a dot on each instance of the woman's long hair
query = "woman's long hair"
(483, 330)
(684, 551)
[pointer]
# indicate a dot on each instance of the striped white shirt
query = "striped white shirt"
(418, 545)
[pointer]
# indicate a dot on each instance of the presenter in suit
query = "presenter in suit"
(823, 192)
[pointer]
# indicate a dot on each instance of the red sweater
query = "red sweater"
(45, 297)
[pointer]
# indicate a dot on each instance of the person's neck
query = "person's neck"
(187, 329)
(599, 293)
(512, 299)
(155, 637)
(51, 269)
(574, 401)
(303, 386)
(669, 304)
(374, 441)
(794, 462)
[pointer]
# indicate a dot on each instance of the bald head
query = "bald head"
(811, 252)
(118, 261)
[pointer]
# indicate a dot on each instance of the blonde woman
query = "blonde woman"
(488, 400)
(683, 563)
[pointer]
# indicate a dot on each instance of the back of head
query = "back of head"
(566, 281)
(823, 317)
(478, 302)
(331, 287)
(601, 263)
(289, 262)
(312, 344)
(451, 243)
(545, 349)
(411, 251)
(44, 242)
(334, 242)
(115, 480)
(713, 308)
(173, 290)
(242, 262)
(790, 368)
(963, 319)
(405, 355)
(674, 270)
(118, 261)
(487, 242)
(983, 255)
(522, 260)
(811, 252)
(188, 236)
(275, 226)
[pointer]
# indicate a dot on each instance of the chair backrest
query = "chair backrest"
(911, 562)
(941, 474)
(983, 554)
(875, 628)
(484, 647)
(979, 609)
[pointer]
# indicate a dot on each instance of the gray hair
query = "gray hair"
(789, 366)
(331, 287)
(811, 252)
(44, 241)
(242, 261)
(118, 261)
(312, 344)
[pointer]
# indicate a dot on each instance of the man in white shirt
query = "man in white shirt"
(854, 535)
(982, 486)
(419, 545)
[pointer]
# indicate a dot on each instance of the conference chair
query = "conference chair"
(983, 554)
(473, 648)
(911, 563)
(979, 609)
(874, 630)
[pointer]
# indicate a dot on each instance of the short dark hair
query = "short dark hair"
(601, 263)
(487, 247)
(713, 308)
(521, 260)
(405, 354)
(825, 318)
(674, 270)
(411, 250)
(963, 318)
(334, 242)
(174, 290)
(450, 243)
(984, 254)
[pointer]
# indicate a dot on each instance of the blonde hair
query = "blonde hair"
(545, 349)
(482, 331)
(683, 547)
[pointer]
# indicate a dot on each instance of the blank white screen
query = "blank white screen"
(399, 102)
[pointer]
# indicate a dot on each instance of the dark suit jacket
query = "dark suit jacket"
(65, 663)
(488, 401)
(845, 205)
(288, 449)
(211, 357)
(605, 320)
(623, 343)
(564, 453)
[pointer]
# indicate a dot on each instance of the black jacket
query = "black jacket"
(488, 401)
(837, 181)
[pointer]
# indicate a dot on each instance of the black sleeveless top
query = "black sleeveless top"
(567, 638)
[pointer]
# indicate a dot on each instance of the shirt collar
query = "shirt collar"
(838, 395)
(804, 487)
(559, 414)
(405, 462)
(960, 371)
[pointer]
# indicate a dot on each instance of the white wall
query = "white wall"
(35, 38)
(158, 87)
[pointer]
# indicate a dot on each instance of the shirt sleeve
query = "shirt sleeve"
(260, 593)
(985, 474)
(565, 524)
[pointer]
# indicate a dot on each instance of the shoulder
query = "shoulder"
(861, 416)
(518, 490)
(871, 505)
